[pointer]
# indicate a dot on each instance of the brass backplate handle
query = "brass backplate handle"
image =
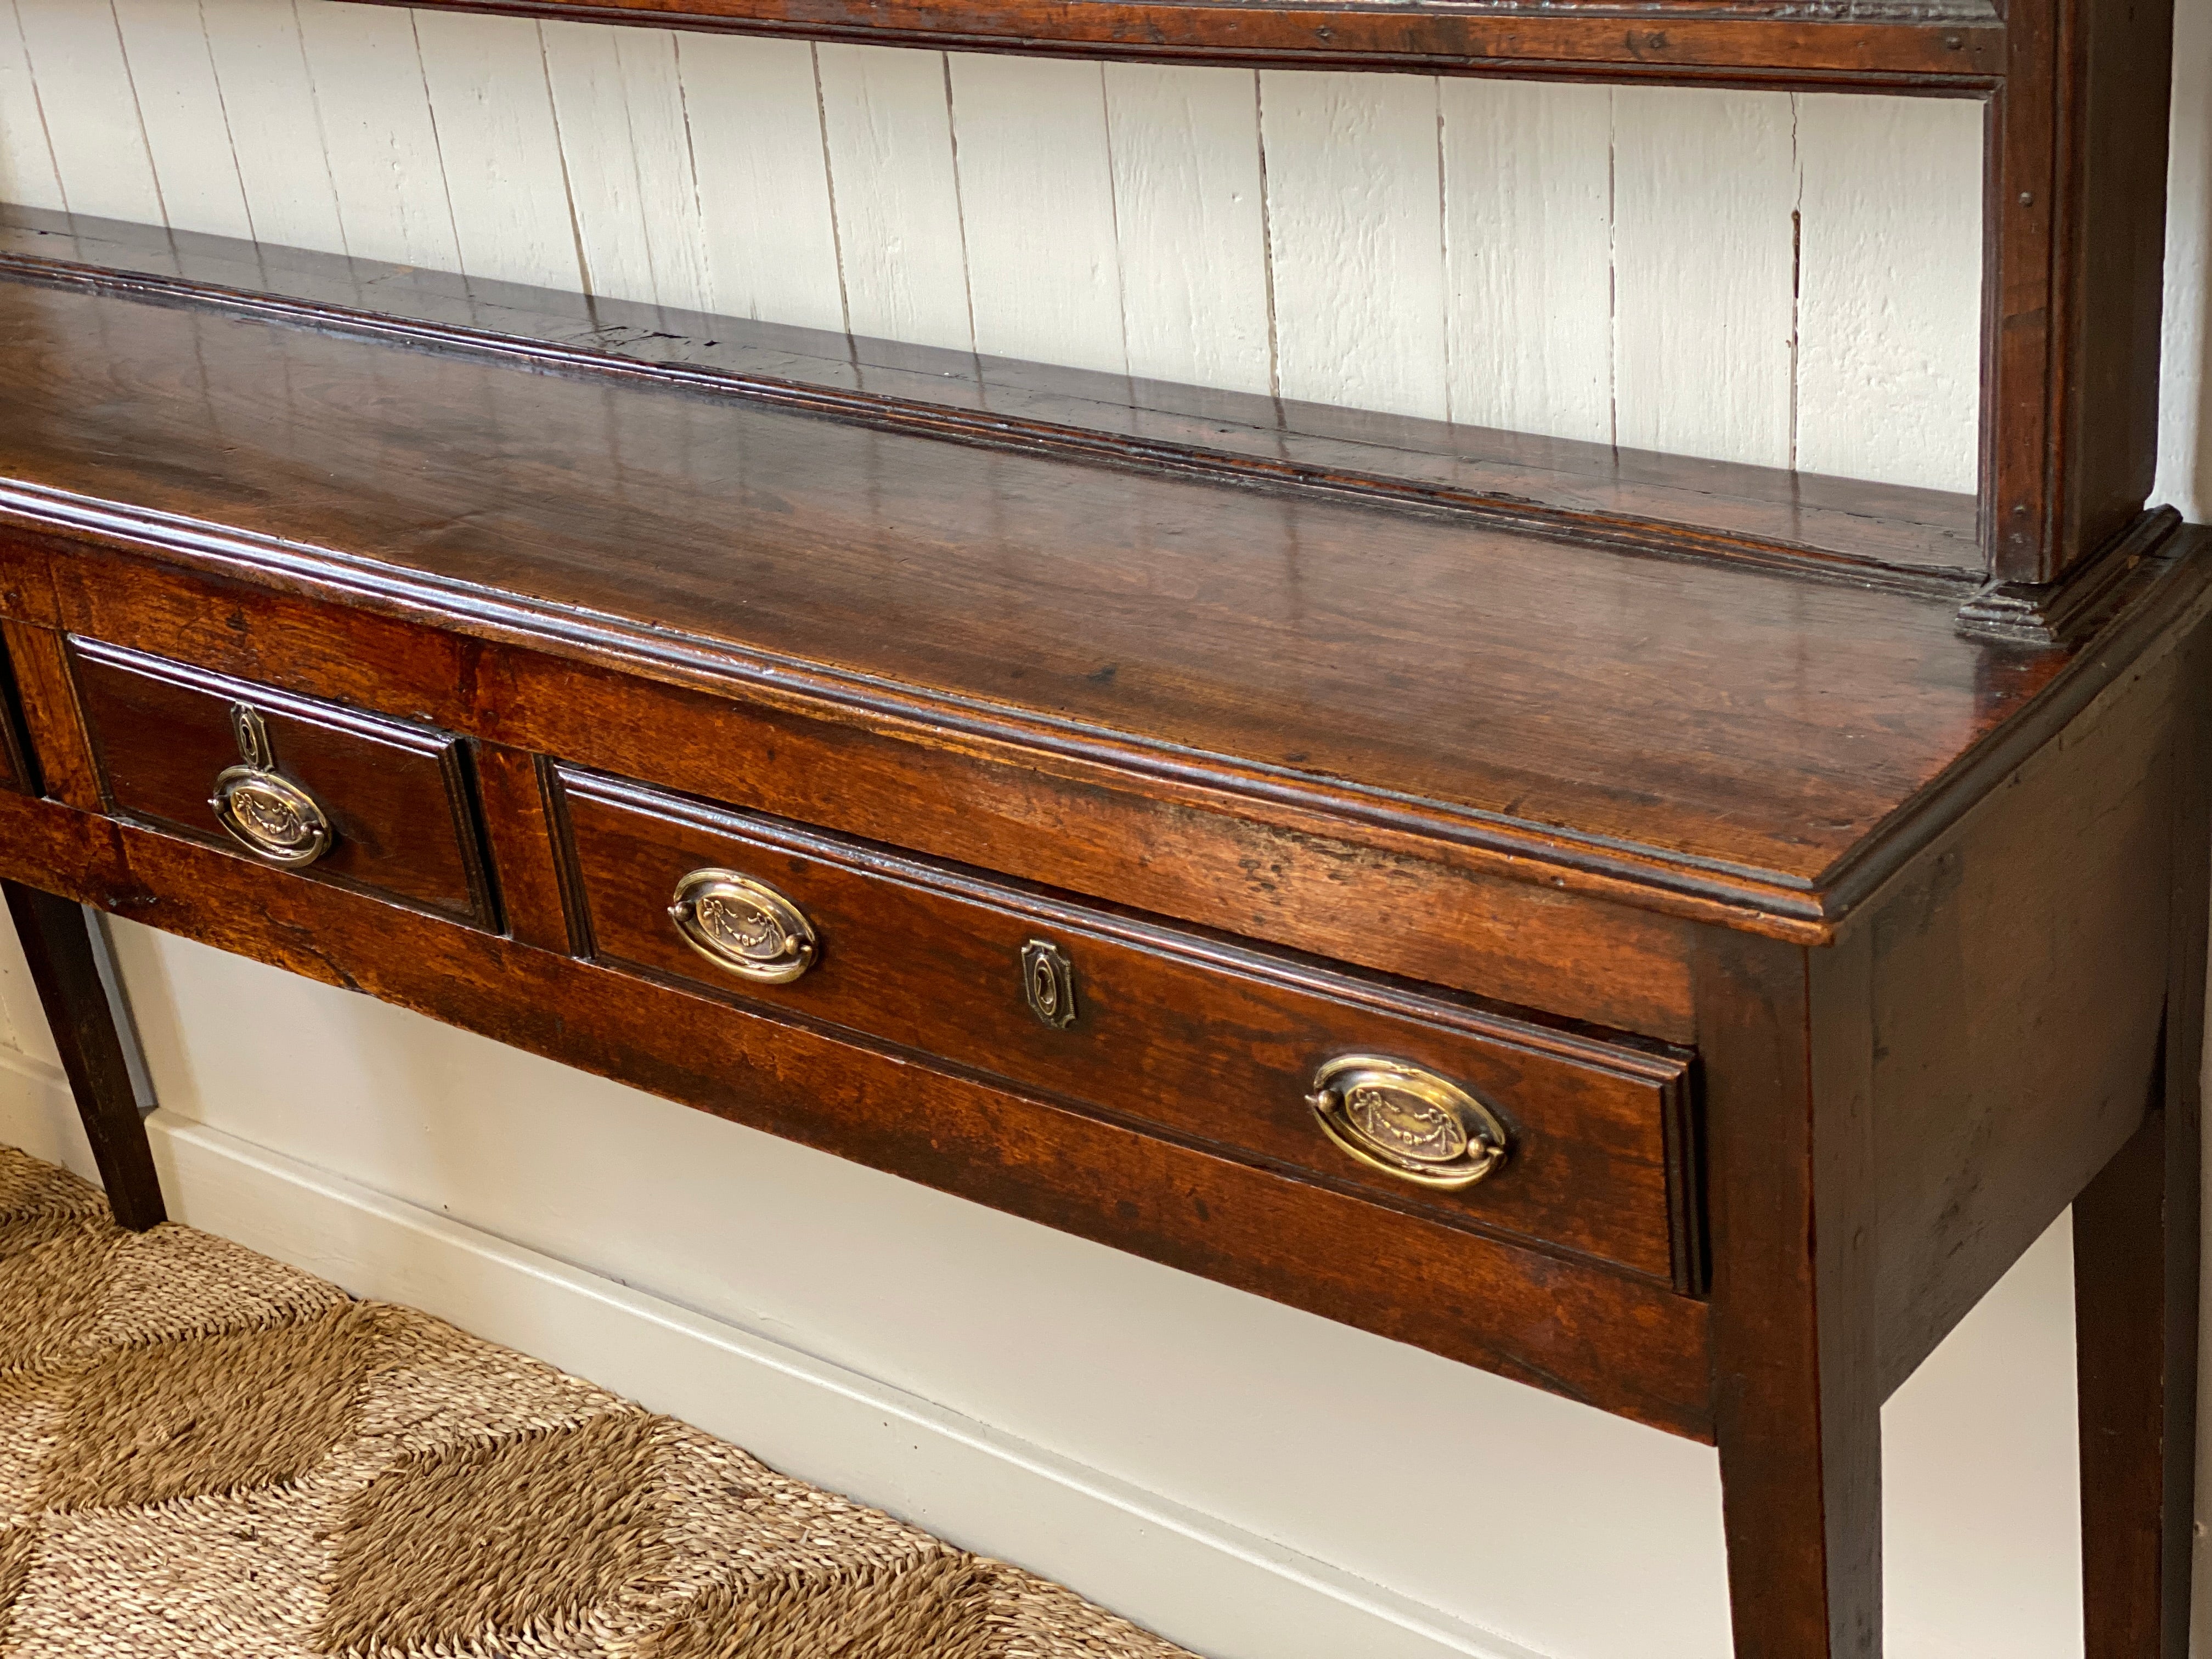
(743, 927)
(262, 810)
(1406, 1121)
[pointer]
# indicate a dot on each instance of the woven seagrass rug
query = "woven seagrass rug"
(204, 1453)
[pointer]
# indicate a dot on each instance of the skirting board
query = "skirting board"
(1210, 1585)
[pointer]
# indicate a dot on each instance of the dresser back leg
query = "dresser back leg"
(2136, 1241)
(58, 948)
(2135, 1314)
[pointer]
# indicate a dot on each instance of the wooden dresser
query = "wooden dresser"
(1668, 932)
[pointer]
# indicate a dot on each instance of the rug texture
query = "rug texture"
(204, 1453)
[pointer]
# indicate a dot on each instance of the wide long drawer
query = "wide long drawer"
(1577, 1141)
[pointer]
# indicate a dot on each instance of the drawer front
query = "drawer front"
(376, 804)
(1208, 1039)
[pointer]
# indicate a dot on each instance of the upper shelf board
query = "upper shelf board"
(1879, 534)
(1957, 47)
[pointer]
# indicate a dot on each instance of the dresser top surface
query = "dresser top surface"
(1426, 664)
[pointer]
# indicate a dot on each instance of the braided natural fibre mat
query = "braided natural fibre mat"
(204, 1453)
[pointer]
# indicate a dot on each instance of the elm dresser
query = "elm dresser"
(1668, 932)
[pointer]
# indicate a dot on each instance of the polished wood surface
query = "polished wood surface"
(1188, 1033)
(1710, 722)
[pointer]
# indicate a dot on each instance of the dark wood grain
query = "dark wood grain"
(397, 795)
(2029, 918)
(1179, 1031)
(515, 788)
(1942, 45)
(87, 1035)
(17, 771)
(1615, 1340)
(2074, 203)
(1791, 1158)
(47, 696)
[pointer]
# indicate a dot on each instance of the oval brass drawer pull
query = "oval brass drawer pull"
(1407, 1122)
(265, 812)
(744, 925)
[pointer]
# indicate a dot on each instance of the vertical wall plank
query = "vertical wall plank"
(764, 177)
(1704, 186)
(584, 70)
(1192, 234)
(275, 130)
(502, 150)
(1529, 250)
(186, 131)
(1036, 196)
(660, 142)
(91, 109)
(27, 160)
(888, 120)
(623, 141)
(382, 142)
(1889, 280)
(1356, 227)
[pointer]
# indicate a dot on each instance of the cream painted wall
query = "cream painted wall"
(1359, 240)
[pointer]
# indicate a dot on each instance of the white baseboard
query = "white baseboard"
(1200, 1581)
(39, 1116)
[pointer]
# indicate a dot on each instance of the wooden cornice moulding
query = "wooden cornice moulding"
(1832, 44)
(2051, 613)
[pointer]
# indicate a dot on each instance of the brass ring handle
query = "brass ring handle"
(1407, 1122)
(743, 927)
(263, 810)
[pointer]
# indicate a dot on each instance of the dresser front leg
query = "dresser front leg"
(1801, 1504)
(1783, 1036)
(58, 948)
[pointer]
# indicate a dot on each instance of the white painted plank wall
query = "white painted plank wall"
(1755, 276)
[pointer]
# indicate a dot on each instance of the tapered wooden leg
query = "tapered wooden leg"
(1801, 1500)
(62, 966)
(2135, 1305)
(2136, 1243)
(1783, 1036)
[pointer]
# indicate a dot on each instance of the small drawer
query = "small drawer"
(376, 804)
(1206, 1038)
